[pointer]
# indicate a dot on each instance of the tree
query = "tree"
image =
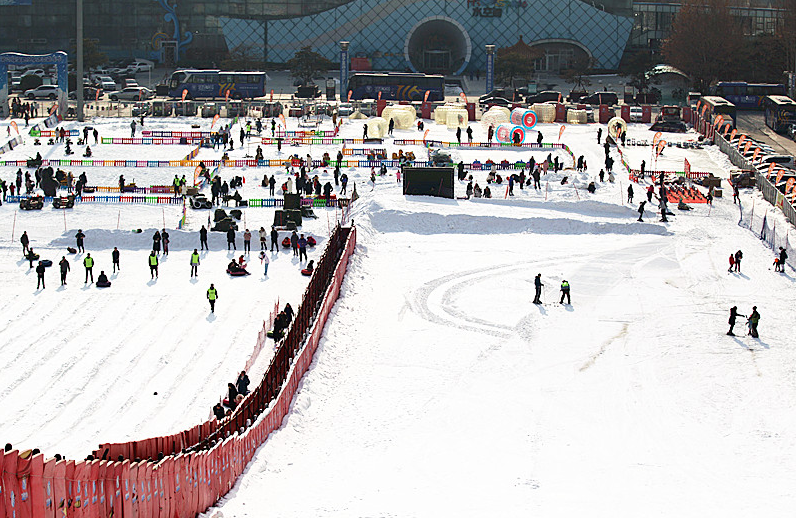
(764, 59)
(578, 73)
(29, 82)
(705, 41)
(244, 57)
(638, 66)
(92, 57)
(511, 65)
(306, 65)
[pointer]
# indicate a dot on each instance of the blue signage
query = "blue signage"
(343, 74)
(490, 71)
(16, 2)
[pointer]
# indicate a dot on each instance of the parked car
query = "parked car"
(495, 101)
(133, 93)
(42, 92)
(345, 109)
(140, 109)
(609, 98)
(128, 83)
(543, 97)
(89, 93)
(635, 114)
(502, 93)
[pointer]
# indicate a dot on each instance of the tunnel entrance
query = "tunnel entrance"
(438, 45)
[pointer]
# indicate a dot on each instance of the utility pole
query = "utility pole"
(79, 64)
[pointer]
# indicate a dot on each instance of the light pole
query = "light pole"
(79, 64)
(343, 69)
(490, 67)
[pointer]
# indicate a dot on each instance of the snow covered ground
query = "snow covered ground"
(439, 389)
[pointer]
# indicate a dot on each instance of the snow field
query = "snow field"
(438, 388)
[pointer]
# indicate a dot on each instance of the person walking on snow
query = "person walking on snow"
(203, 238)
(115, 259)
(231, 239)
(40, 269)
(153, 265)
(247, 241)
(212, 296)
(79, 237)
(132, 129)
(88, 262)
(732, 263)
(641, 211)
(733, 315)
(265, 261)
(564, 292)
(195, 263)
(294, 239)
(783, 256)
(263, 238)
(537, 283)
(754, 318)
(738, 257)
(156, 242)
(164, 237)
(599, 134)
(274, 238)
(64, 265)
(25, 242)
(630, 193)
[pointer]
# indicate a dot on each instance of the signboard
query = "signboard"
(15, 2)
(493, 8)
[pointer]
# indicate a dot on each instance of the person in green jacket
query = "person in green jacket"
(153, 264)
(212, 295)
(565, 292)
(754, 318)
(195, 263)
(88, 262)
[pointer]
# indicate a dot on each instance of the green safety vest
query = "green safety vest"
(153, 260)
(564, 285)
(194, 258)
(212, 294)
(88, 262)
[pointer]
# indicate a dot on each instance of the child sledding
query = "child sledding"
(237, 268)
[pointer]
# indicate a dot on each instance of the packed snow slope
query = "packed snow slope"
(438, 389)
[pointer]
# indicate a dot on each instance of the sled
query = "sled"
(306, 272)
(238, 273)
(71, 250)
(103, 284)
(46, 263)
(311, 241)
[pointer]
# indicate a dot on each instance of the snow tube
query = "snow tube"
(311, 241)
(46, 263)
(71, 250)
(286, 242)
(103, 284)
(505, 133)
(306, 272)
(523, 117)
(238, 273)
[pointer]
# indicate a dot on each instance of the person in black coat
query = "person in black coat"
(242, 384)
(79, 237)
(733, 315)
(641, 211)
(156, 242)
(218, 411)
(40, 269)
(274, 239)
(232, 393)
(783, 256)
(64, 264)
(25, 242)
(115, 259)
(537, 283)
(231, 239)
(203, 238)
(289, 312)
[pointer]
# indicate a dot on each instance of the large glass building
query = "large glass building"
(425, 35)
(446, 36)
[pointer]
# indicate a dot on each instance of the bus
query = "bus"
(780, 112)
(210, 84)
(718, 106)
(747, 96)
(396, 86)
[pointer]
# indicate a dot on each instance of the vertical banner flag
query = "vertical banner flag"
(757, 152)
(661, 145)
(780, 174)
(283, 121)
(687, 168)
(226, 95)
(703, 110)
(425, 134)
(272, 95)
(561, 131)
(14, 125)
(656, 138)
(726, 129)
(789, 185)
(96, 95)
(425, 97)
(215, 119)
(771, 167)
(379, 95)
(463, 97)
(746, 147)
(740, 141)
(184, 94)
(718, 121)
(733, 133)
(350, 92)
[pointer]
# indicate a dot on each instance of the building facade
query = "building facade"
(445, 36)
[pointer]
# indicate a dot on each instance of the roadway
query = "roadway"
(753, 124)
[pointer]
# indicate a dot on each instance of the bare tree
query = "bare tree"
(705, 41)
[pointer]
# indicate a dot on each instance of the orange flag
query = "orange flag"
(726, 129)
(282, 120)
(656, 138)
(215, 119)
(425, 134)
(780, 174)
(425, 97)
(661, 145)
(703, 109)
(379, 95)
(789, 185)
(350, 92)
(226, 95)
(463, 97)
(272, 94)
(184, 94)
(740, 141)
(718, 121)
(96, 95)
(14, 125)
(746, 147)
(757, 152)
(561, 131)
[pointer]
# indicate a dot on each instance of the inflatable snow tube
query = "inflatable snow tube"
(506, 132)
(523, 117)
(46, 263)
(286, 242)
(238, 273)
(545, 112)
(306, 272)
(616, 124)
(311, 241)
(103, 284)
(71, 250)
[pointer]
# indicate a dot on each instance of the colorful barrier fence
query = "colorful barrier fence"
(177, 134)
(152, 141)
(182, 484)
(320, 201)
(635, 174)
